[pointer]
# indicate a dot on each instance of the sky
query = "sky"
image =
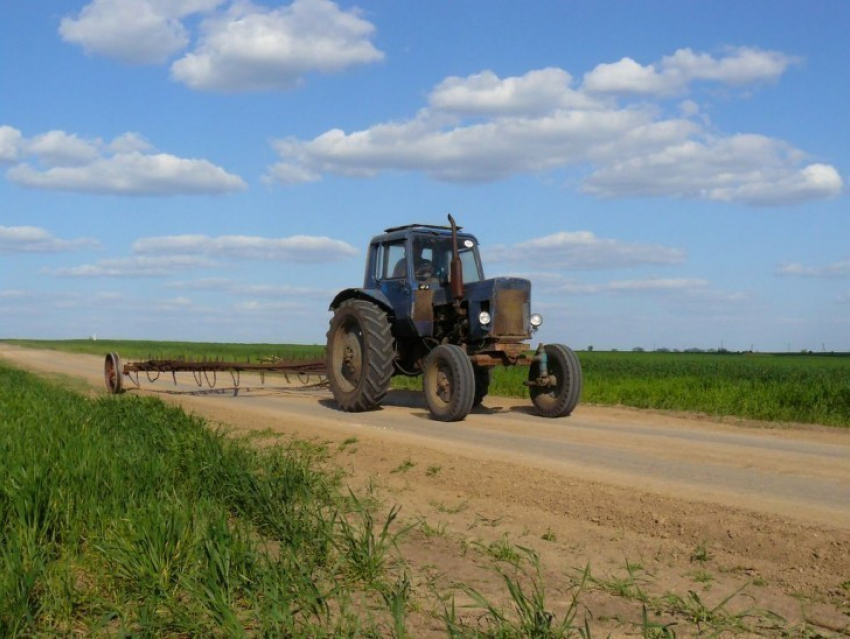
(668, 174)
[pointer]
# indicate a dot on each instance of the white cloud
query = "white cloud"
(32, 239)
(485, 128)
(298, 248)
(698, 292)
(57, 148)
(673, 74)
(583, 250)
(126, 166)
(232, 287)
(135, 31)
(250, 48)
(751, 169)
(644, 286)
(837, 269)
(10, 143)
(485, 93)
(138, 266)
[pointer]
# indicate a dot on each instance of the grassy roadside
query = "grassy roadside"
(803, 388)
(122, 516)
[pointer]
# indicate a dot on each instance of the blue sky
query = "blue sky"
(666, 173)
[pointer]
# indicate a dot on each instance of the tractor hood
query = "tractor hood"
(507, 300)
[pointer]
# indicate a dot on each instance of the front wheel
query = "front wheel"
(557, 399)
(449, 383)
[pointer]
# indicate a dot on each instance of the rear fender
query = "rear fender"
(370, 294)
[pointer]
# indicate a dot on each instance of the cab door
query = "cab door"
(393, 277)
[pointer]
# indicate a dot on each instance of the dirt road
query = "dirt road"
(668, 504)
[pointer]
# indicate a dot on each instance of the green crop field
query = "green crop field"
(806, 388)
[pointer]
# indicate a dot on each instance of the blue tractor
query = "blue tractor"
(425, 308)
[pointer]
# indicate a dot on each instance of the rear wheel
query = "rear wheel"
(449, 383)
(359, 357)
(560, 398)
(112, 373)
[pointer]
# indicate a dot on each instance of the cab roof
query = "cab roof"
(400, 232)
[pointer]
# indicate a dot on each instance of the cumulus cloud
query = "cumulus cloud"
(135, 31)
(683, 291)
(233, 287)
(538, 91)
(673, 74)
(10, 143)
(137, 266)
(751, 169)
(32, 239)
(583, 250)
(250, 48)
(57, 160)
(483, 128)
(240, 45)
(298, 248)
(837, 269)
(642, 286)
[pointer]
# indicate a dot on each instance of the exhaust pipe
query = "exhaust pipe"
(456, 268)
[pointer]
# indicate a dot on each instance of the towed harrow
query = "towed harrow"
(205, 372)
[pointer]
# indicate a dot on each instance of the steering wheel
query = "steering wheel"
(424, 270)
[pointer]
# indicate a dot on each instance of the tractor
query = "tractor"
(426, 309)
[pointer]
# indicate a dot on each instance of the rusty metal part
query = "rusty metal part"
(207, 371)
(455, 268)
(503, 353)
(511, 312)
(112, 373)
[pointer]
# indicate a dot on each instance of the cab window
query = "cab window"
(393, 262)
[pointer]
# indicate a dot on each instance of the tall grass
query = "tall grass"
(128, 516)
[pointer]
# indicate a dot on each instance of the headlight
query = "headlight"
(484, 318)
(536, 320)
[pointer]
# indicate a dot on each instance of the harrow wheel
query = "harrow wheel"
(561, 397)
(359, 355)
(112, 373)
(449, 383)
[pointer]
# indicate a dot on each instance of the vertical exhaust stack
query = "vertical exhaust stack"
(456, 268)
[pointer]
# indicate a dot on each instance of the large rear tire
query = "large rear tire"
(359, 357)
(449, 383)
(560, 399)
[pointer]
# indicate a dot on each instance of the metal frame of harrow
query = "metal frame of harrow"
(206, 371)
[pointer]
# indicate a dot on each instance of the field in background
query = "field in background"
(805, 388)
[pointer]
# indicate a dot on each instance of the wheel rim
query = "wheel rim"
(443, 384)
(111, 374)
(348, 355)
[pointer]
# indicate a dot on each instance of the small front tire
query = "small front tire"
(560, 399)
(449, 383)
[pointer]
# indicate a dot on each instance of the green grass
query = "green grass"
(122, 516)
(812, 389)
(126, 516)
(141, 349)
(806, 388)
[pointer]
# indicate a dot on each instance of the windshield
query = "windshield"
(432, 257)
